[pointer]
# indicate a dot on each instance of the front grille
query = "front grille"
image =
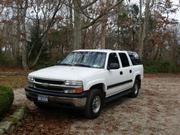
(49, 86)
(46, 91)
(49, 81)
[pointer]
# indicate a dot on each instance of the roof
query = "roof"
(98, 50)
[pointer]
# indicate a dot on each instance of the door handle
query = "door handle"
(121, 72)
(130, 71)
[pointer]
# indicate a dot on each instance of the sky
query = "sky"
(177, 15)
(175, 2)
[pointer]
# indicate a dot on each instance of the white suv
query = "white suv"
(87, 79)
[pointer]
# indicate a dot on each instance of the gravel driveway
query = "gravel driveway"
(155, 112)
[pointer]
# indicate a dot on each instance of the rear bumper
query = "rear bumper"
(76, 100)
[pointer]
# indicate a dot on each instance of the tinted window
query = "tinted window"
(135, 59)
(124, 59)
(113, 59)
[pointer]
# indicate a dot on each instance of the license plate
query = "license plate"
(42, 98)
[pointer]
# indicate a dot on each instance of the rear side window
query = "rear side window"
(124, 59)
(135, 59)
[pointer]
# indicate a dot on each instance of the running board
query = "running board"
(116, 96)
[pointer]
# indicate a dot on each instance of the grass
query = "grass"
(13, 81)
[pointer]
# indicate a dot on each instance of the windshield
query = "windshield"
(85, 59)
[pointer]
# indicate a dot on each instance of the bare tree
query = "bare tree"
(77, 25)
(22, 7)
(144, 27)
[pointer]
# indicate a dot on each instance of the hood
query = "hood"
(65, 73)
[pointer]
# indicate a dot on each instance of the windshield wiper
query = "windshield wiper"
(82, 65)
(64, 64)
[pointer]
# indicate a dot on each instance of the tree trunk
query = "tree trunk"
(118, 26)
(140, 29)
(143, 29)
(71, 25)
(22, 8)
(102, 44)
(77, 25)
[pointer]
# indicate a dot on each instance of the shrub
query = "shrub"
(6, 99)
(161, 66)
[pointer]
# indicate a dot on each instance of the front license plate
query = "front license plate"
(42, 98)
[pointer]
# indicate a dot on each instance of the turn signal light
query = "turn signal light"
(74, 91)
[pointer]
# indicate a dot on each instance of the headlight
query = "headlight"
(73, 83)
(30, 79)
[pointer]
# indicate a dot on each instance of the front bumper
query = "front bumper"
(76, 100)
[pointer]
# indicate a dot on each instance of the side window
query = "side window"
(124, 59)
(135, 60)
(113, 61)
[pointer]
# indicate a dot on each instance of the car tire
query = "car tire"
(94, 104)
(135, 90)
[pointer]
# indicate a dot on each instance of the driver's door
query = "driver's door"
(113, 75)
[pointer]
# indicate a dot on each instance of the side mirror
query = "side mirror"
(113, 66)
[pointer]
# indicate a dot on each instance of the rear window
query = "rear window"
(124, 60)
(135, 59)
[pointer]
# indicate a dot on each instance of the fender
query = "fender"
(136, 74)
(89, 84)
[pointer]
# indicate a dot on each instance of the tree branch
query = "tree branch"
(101, 15)
(89, 4)
(51, 23)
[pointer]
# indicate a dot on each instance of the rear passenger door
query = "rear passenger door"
(127, 71)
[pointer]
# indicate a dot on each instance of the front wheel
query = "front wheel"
(94, 104)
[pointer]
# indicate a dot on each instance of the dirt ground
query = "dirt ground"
(155, 112)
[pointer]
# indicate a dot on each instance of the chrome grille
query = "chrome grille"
(53, 85)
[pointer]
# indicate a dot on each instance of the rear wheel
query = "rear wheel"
(135, 89)
(94, 104)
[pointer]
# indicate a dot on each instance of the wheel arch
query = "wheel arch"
(100, 86)
(138, 77)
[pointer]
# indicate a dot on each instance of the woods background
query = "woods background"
(37, 33)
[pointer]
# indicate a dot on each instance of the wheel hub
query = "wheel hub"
(136, 89)
(96, 104)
